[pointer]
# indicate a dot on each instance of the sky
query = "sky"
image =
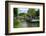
(24, 10)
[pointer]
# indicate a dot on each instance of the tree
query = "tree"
(23, 15)
(15, 12)
(31, 12)
(37, 12)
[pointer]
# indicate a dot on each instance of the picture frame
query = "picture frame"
(23, 6)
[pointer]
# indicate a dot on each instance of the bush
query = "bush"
(16, 23)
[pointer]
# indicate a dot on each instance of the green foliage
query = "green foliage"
(16, 23)
(37, 12)
(23, 15)
(15, 12)
(31, 12)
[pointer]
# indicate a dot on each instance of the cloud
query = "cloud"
(23, 10)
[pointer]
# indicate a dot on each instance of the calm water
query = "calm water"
(26, 24)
